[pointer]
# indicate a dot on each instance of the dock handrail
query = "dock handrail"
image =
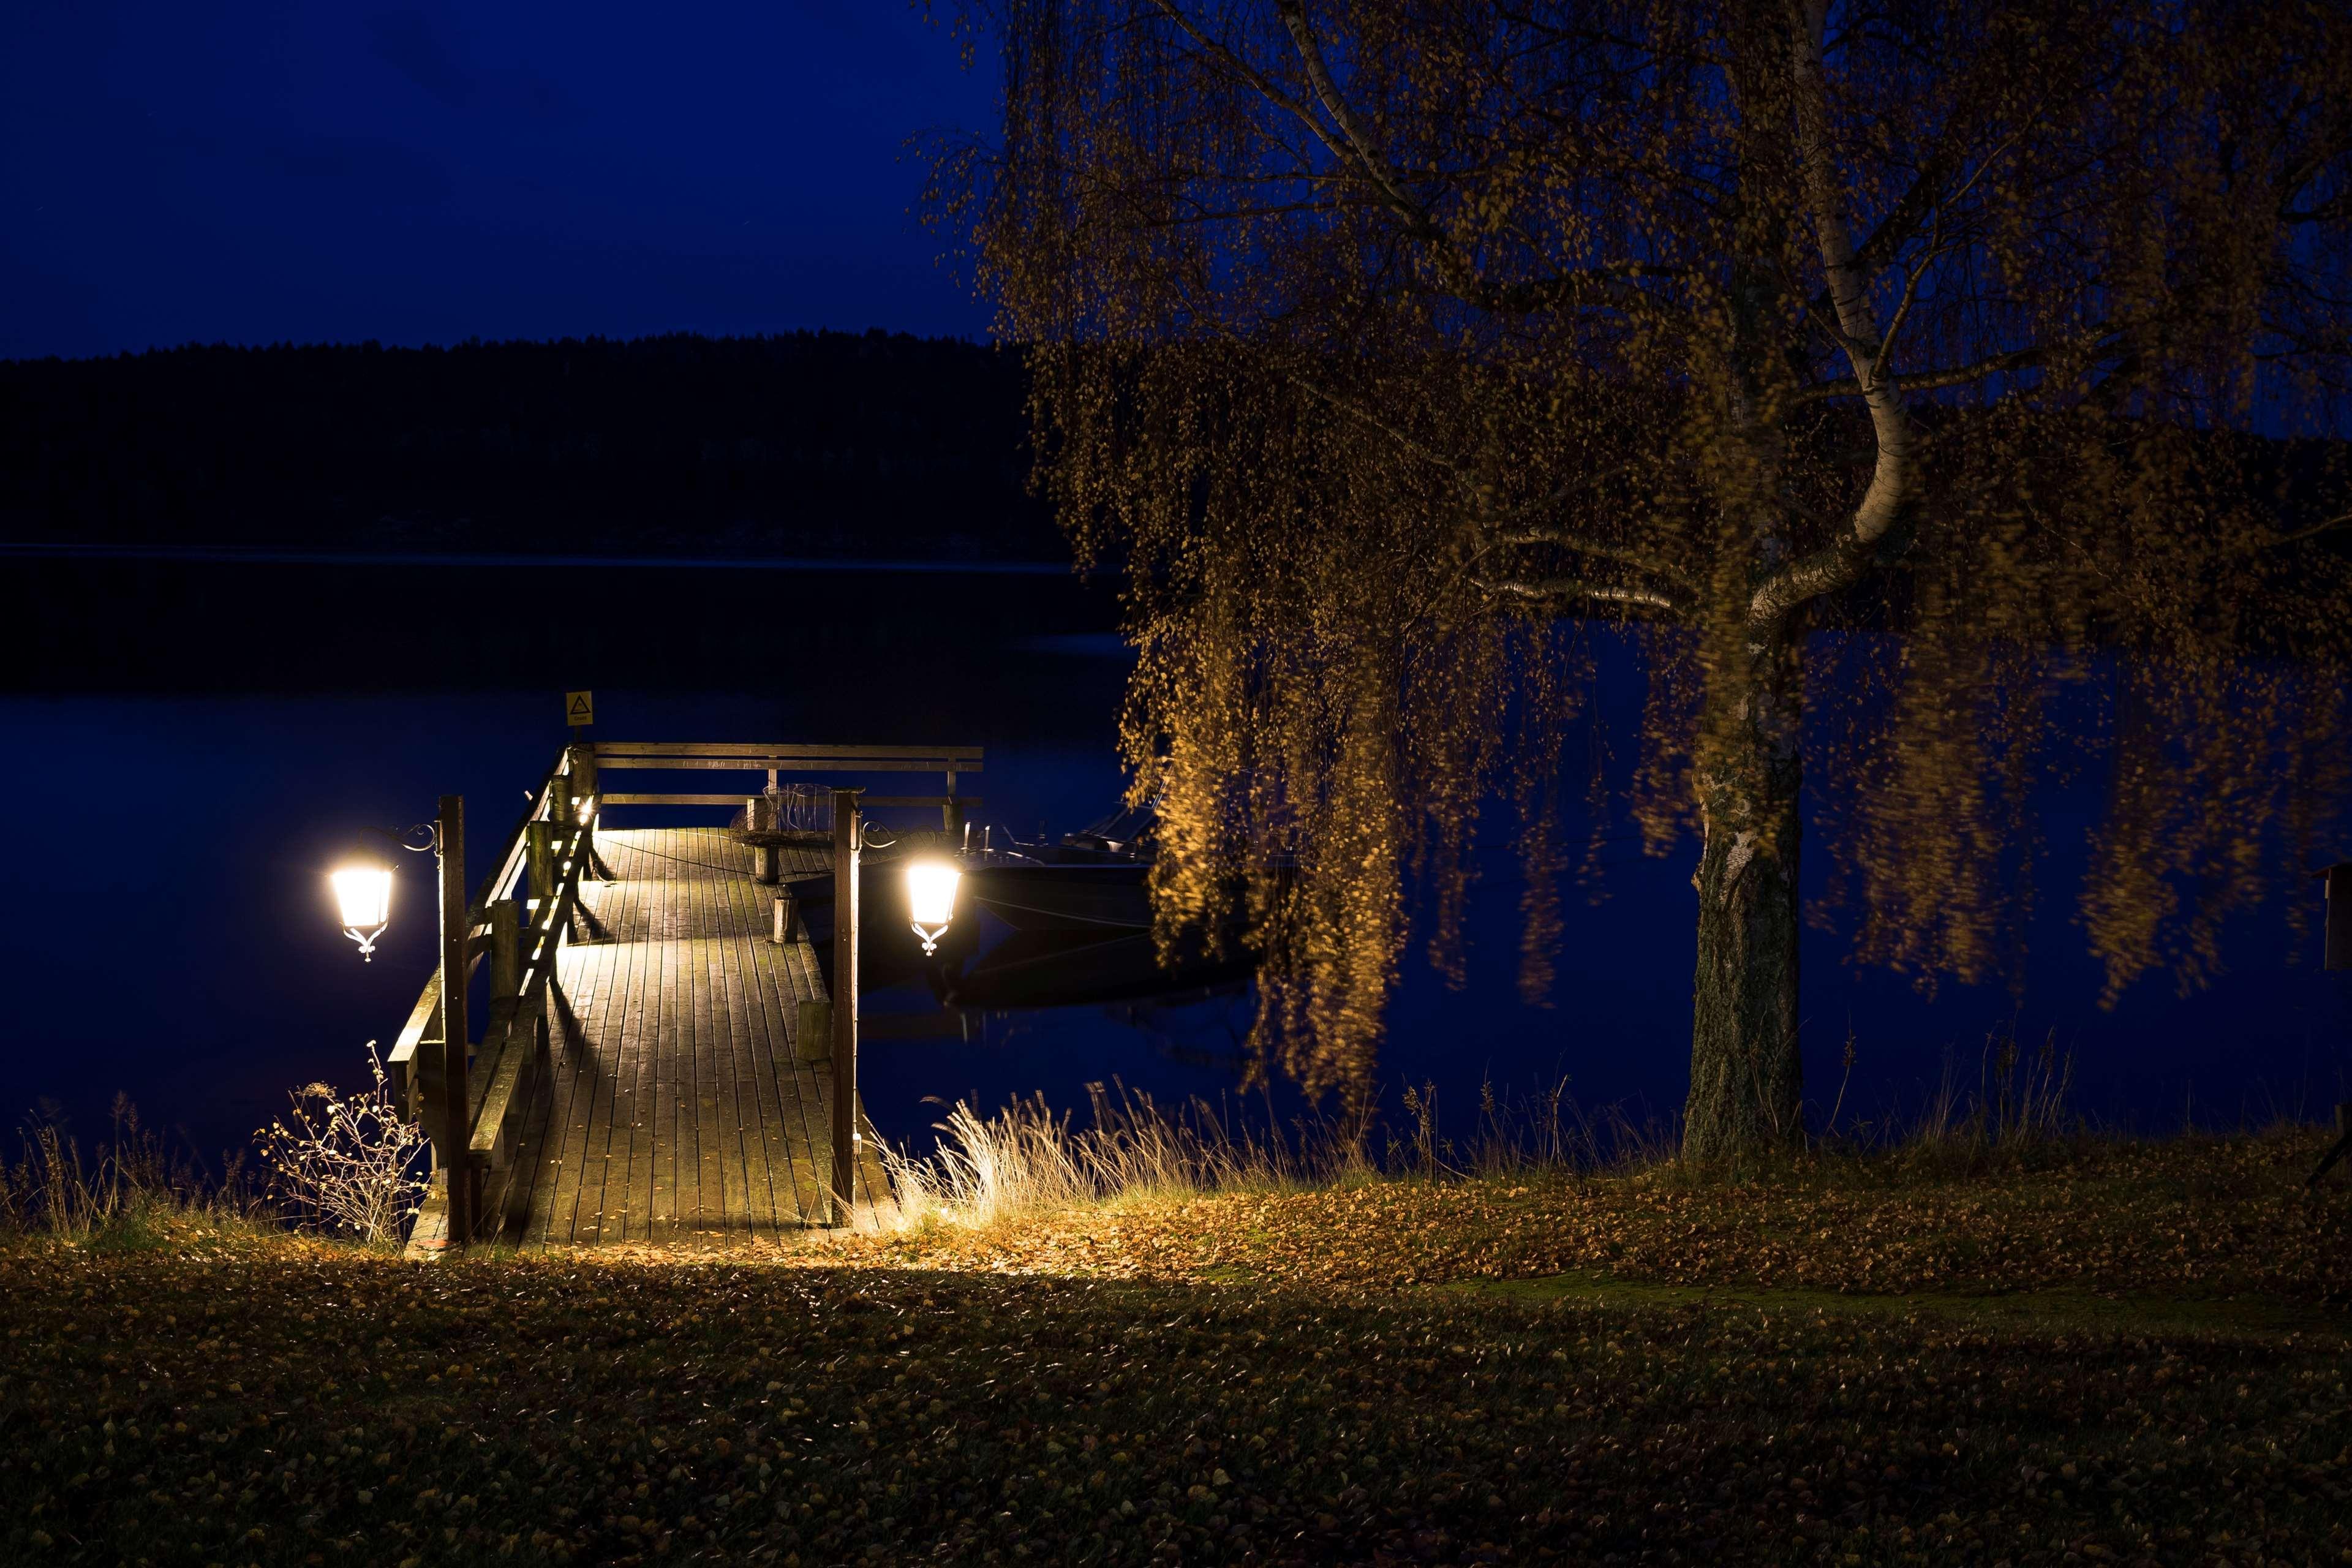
(553, 843)
(753, 756)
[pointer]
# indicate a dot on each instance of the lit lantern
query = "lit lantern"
(930, 898)
(364, 897)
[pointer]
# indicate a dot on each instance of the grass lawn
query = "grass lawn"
(2116, 1355)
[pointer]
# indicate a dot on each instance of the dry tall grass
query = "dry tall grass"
(337, 1162)
(1026, 1157)
(123, 1186)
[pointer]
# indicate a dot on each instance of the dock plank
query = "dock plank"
(751, 993)
(646, 1140)
(739, 1106)
(595, 1211)
(555, 1180)
(663, 1041)
(721, 1208)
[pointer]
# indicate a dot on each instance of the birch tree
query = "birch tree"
(1899, 375)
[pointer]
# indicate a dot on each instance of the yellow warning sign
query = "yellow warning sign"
(579, 708)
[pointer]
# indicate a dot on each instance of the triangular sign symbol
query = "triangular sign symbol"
(579, 704)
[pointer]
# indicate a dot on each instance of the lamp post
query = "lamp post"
(449, 840)
(847, 839)
(362, 891)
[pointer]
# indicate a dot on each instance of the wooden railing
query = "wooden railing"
(516, 921)
(751, 757)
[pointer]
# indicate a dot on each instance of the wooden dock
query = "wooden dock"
(676, 1107)
(651, 1073)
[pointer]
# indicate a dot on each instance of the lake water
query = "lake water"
(192, 743)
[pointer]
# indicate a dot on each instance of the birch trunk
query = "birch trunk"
(1746, 1075)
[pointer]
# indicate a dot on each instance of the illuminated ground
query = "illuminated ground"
(1324, 1377)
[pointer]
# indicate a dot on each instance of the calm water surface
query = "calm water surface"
(193, 745)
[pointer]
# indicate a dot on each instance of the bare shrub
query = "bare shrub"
(347, 1162)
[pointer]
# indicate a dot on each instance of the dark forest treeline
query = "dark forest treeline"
(816, 443)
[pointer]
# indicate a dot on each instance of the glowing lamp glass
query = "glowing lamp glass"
(363, 899)
(930, 898)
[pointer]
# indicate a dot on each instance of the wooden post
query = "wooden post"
(767, 862)
(457, 1126)
(583, 773)
(506, 952)
(951, 814)
(812, 1031)
(505, 979)
(583, 789)
(844, 1005)
(538, 849)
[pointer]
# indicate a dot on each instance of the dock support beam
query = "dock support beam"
(844, 1005)
(457, 1126)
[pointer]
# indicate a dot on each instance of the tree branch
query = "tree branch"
(1575, 588)
(1254, 77)
(2101, 338)
(1354, 146)
(1624, 555)
(1327, 92)
(1350, 408)
(1892, 480)
(2312, 532)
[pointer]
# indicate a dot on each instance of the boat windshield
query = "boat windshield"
(1122, 829)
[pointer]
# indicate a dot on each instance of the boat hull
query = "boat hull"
(1106, 898)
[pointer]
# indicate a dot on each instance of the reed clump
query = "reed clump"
(2014, 1111)
(130, 1188)
(1027, 1156)
(1984, 1199)
(2020, 1106)
(337, 1163)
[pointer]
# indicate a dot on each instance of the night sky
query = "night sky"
(319, 173)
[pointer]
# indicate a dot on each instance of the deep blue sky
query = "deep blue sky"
(262, 172)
